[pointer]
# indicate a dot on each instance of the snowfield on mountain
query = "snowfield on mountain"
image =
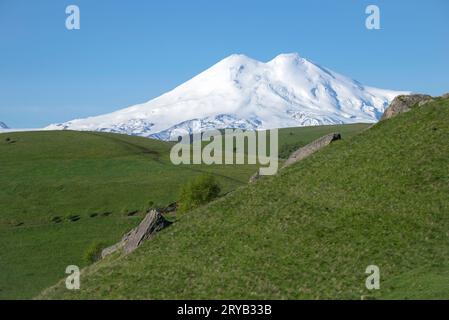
(239, 92)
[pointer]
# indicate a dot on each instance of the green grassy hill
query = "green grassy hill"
(378, 198)
(63, 191)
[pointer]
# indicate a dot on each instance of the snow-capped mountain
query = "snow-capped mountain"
(3, 125)
(239, 92)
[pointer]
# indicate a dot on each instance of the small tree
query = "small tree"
(198, 192)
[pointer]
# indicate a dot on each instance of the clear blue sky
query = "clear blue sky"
(128, 52)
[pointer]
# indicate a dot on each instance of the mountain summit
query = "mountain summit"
(3, 125)
(240, 92)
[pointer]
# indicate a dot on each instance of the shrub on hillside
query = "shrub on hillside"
(198, 192)
(93, 253)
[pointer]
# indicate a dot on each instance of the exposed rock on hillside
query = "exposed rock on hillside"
(312, 147)
(152, 223)
(304, 152)
(404, 103)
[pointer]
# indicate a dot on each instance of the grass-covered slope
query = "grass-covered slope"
(379, 198)
(63, 191)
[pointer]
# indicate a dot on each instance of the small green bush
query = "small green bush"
(198, 192)
(93, 253)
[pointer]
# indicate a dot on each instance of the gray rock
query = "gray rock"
(423, 102)
(311, 148)
(445, 96)
(152, 223)
(110, 250)
(405, 103)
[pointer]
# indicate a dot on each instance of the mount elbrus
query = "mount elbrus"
(240, 92)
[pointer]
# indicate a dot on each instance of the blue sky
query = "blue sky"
(128, 52)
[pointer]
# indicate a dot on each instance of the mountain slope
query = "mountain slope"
(3, 125)
(310, 232)
(101, 181)
(239, 92)
(62, 192)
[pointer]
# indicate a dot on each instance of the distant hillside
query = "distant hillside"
(310, 232)
(3, 125)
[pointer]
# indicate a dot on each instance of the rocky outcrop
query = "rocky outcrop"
(445, 96)
(303, 152)
(311, 148)
(110, 250)
(402, 104)
(153, 222)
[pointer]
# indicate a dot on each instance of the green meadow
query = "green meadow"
(62, 192)
(377, 198)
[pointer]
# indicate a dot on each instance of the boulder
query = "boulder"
(405, 103)
(311, 148)
(110, 250)
(153, 222)
(423, 102)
